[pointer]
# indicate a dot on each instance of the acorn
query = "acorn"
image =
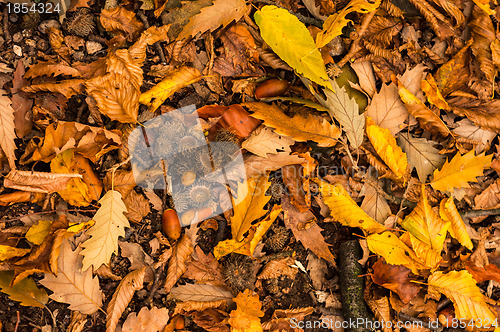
(170, 224)
(446, 316)
(271, 88)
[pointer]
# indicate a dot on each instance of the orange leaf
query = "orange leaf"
(246, 317)
(395, 278)
(119, 20)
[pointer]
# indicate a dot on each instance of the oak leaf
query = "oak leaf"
(460, 170)
(200, 293)
(263, 141)
(110, 223)
(387, 110)
(426, 225)
(292, 42)
(300, 127)
(177, 80)
(345, 110)
(222, 12)
(40, 182)
(118, 20)
(177, 264)
(448, 212)
(204, 268)
(137, 207)
(422, 155)
(122, 296)
(79, 289)
(387, 148)
(7, 133)
(345, 210)
(395, 278)
(246, 317)
(147, 320)
(462, 290)
(25, 291)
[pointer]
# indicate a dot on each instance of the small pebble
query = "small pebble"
(27, 33)
(78, 56)
(42, 45)
(47, 24)
(17, 50)
(93, 47)
(17, 37)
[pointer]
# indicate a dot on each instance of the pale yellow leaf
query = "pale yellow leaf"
(147, 320)
(122, 296)
(448, 211)
(39, 182)
(374, 204)
(366, 77)
(264, 140)
(110, 223)
(79, 289)
(7, 133)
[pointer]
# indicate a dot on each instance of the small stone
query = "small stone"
(17, 50)
(17, 37)
(93, 47)
(47, 24)
(42, 45)
(78, 56)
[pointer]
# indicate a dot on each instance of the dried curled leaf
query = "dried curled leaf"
(345, 210)
(247, 315)
(386, 147)
(48, 68)
(40, 182)
(301, 128)
(460, 170)
(483, 34)
(448, 212)
(119, 20)
(177, 263)
(80, 289)
(7, 133)
(122, 296)
(264, 140)
(177, 80)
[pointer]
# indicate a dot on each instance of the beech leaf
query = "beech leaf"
(177, 265)
(199, 292)
(448, 212)
(39, 182)
(7, 133)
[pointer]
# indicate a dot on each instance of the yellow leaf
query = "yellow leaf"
(336, 22)
(424, 252)
(301, 127)
(110, 223)
(246, 317)
(460, 287)
(394, 251)
(249, 204)
(387, 148)
(345, 210)
(448, 211)
(76, 192)
(179, 79)
(263, 226)
(484, 5)
(24, 291)
(460, 170)
(434, 96)
(292, 42)
(7, 252)
(38, 232)
(222, 12)
(227, 247)
(425, 224)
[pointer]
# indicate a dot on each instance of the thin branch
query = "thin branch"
(157, 45)
(479, 213)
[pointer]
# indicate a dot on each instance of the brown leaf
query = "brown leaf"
(67, 88)
(23, 117)
(146, 320)
(306, 230)
(124, 65)
(49, 68)
(120, 20)
(395, 278)
(20, 196)
(483, 34)
(40, 182)
(188, 306)
(200, 293)
(480, 274)
(211, 320)
(150, 36)
(115, 97)
(90, 142)
(177, 264)
(233, 118)
(137, 207)
(387, 110)
(277, 268)
(454, 74)
(56, 40)
(7, 133)
(484, 113)
(135, 254)
(122, 296)
(204, 268)
(297, 186)
(255, 165)
(124, 181)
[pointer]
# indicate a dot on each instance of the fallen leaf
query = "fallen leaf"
(279, 267)
(367, 81)
(448, 212)
(137, 207)
(434, 96)
(204, 268)
(49, 68)
(454, 74)
(41, 182)
(67, 88)
(135, 254)
(7, 133)
(23, 116)
(37, 233)
(374, 204)
(468, 130)
(122, 296)
(25, 291)
(396, 278)
(177, 264)
(8, 252)
(263, 141)
(120, 20)
(480, 274)
(200, 293)
(248, 311)
(147, 320)
(79, 289)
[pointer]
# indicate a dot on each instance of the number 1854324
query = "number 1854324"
(30, 7)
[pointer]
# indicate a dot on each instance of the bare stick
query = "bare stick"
(479, 213)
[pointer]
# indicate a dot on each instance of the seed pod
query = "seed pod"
(170, 224)
(271, 88)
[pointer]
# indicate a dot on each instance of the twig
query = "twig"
(355, 44)
(156, 285)
(157, 45)
(275, 256)
(302, 18)
(443, 304)
(6, 24)
(479, 213)
(18, 320)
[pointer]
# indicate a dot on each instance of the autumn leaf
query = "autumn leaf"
(263, 141)
(200, 293)
(425, 224)
(222, 12)
(8, 252)
(345, 110)
(422, 155)
(396, 278)
(387, 110)
(428, 256)
(334, 24)
(292, 42)
(345, 210)
(484, 5)
(177, 264)
(122, 296)
(454, 74)
(301, 127)
(246, 317)
(374, 203)
(71, 285)
(39, 231)
(462, 290)
(147, 320)
(67, 88)
(25, 291)
(177, 80)
(124, 65)
(7, 133)
(119, 20)
(386, 147)
(279, 267)
(48, 68)
(41, 182)
(249, 204)
(110, 223)
(448, 212)
(460, 170)
(434, 96)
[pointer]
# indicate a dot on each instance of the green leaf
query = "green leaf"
(25, 291)
(292, 42)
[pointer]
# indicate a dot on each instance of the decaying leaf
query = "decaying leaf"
(122, 296)
(137, 207)
(301, 128)
(200, 293)
(395, 278)
(67, 88)
(119, 19)
(41, 182)
(80, 289)
(263, 141)
(247, 315)
(48, 68)
(280, 267)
